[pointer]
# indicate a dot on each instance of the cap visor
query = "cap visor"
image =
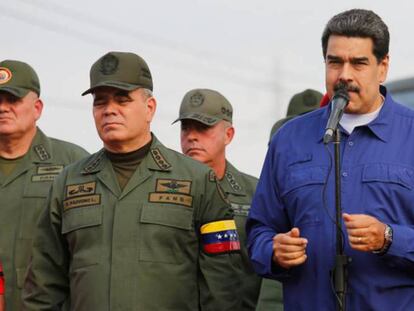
(114, 84)
(16, 91)
(202, 118)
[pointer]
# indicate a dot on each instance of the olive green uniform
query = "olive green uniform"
(22, 196)
(239, 188)
(135, 249)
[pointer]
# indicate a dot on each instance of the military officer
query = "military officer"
(29, 161)
(206, 129)
(135, 226)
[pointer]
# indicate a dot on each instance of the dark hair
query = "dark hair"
(359, 23)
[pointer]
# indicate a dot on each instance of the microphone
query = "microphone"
(339, 101)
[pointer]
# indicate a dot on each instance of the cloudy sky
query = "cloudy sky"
(257, 53)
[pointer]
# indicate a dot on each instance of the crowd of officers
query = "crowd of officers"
(138, 226)
(134, 225)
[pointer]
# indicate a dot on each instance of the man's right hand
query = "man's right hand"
(289, 249)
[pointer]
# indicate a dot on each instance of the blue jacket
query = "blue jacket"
(377, 176)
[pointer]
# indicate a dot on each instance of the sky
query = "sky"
(258, 54)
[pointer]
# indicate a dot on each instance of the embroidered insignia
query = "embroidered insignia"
(81, 201)
(171, 198)
(5, 75)
(41, 152)
(173, 186)
(80, 189)
(233, 183)
(212, 176)
(159, 159)
(43, 177)
(109, 64)
(220, 237)
(91, 167)
(50, 169)
(240, 209)
(196, 99)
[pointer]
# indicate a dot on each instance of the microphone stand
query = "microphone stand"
(341, 260)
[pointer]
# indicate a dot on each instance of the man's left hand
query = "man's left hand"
(365, 233)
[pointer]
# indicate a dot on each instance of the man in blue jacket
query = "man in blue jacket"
(291, 226)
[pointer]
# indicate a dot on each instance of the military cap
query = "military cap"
(18, 78)
(205, 106)
(303, 102)
(121, 70)
(300, 103)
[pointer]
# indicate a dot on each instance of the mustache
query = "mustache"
(347, 86)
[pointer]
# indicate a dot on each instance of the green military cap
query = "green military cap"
(18, 78)
(303, 102)
(300, 103)
(125, 71)
(206, 106)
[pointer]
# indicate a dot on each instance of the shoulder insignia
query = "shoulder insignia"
(41, 152)
(159, 159)
(233, 183)
(219, 237)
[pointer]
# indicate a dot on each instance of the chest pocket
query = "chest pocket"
(391, 174)
(33, 202)
(388, 192)
(82, 228)
(301, 192)
(166, 233)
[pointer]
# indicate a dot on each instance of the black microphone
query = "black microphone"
(339, 101)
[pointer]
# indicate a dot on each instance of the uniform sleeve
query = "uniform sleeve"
(46, 286)
(266, 219)
(219, 259)
(1, 280)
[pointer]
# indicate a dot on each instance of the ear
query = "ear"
(383, 69)
(229, 134)
(38, 106)
(151, 103)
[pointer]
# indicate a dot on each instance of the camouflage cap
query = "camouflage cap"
(125, 71)
(206, 106)
(303, 102)
(18, 78)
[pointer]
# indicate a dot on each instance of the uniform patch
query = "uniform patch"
(233, 183)
(80, 189)
(50, 169)
(41, 152)
(43, 177)
(220, 237)
(173, 186)
(109, 64)
(240, 209)
(172, 198)
(81, 201)
(197, 99)
(5, 75)
(159, 159)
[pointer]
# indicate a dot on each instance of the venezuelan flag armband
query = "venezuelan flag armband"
(220, 237)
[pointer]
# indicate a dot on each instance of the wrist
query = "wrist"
(388, 236)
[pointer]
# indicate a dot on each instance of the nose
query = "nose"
(110, 108)
(346, 74)
(190, 134)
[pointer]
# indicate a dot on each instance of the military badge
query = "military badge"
(196, 99)
(109, 64)
(5, 75)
